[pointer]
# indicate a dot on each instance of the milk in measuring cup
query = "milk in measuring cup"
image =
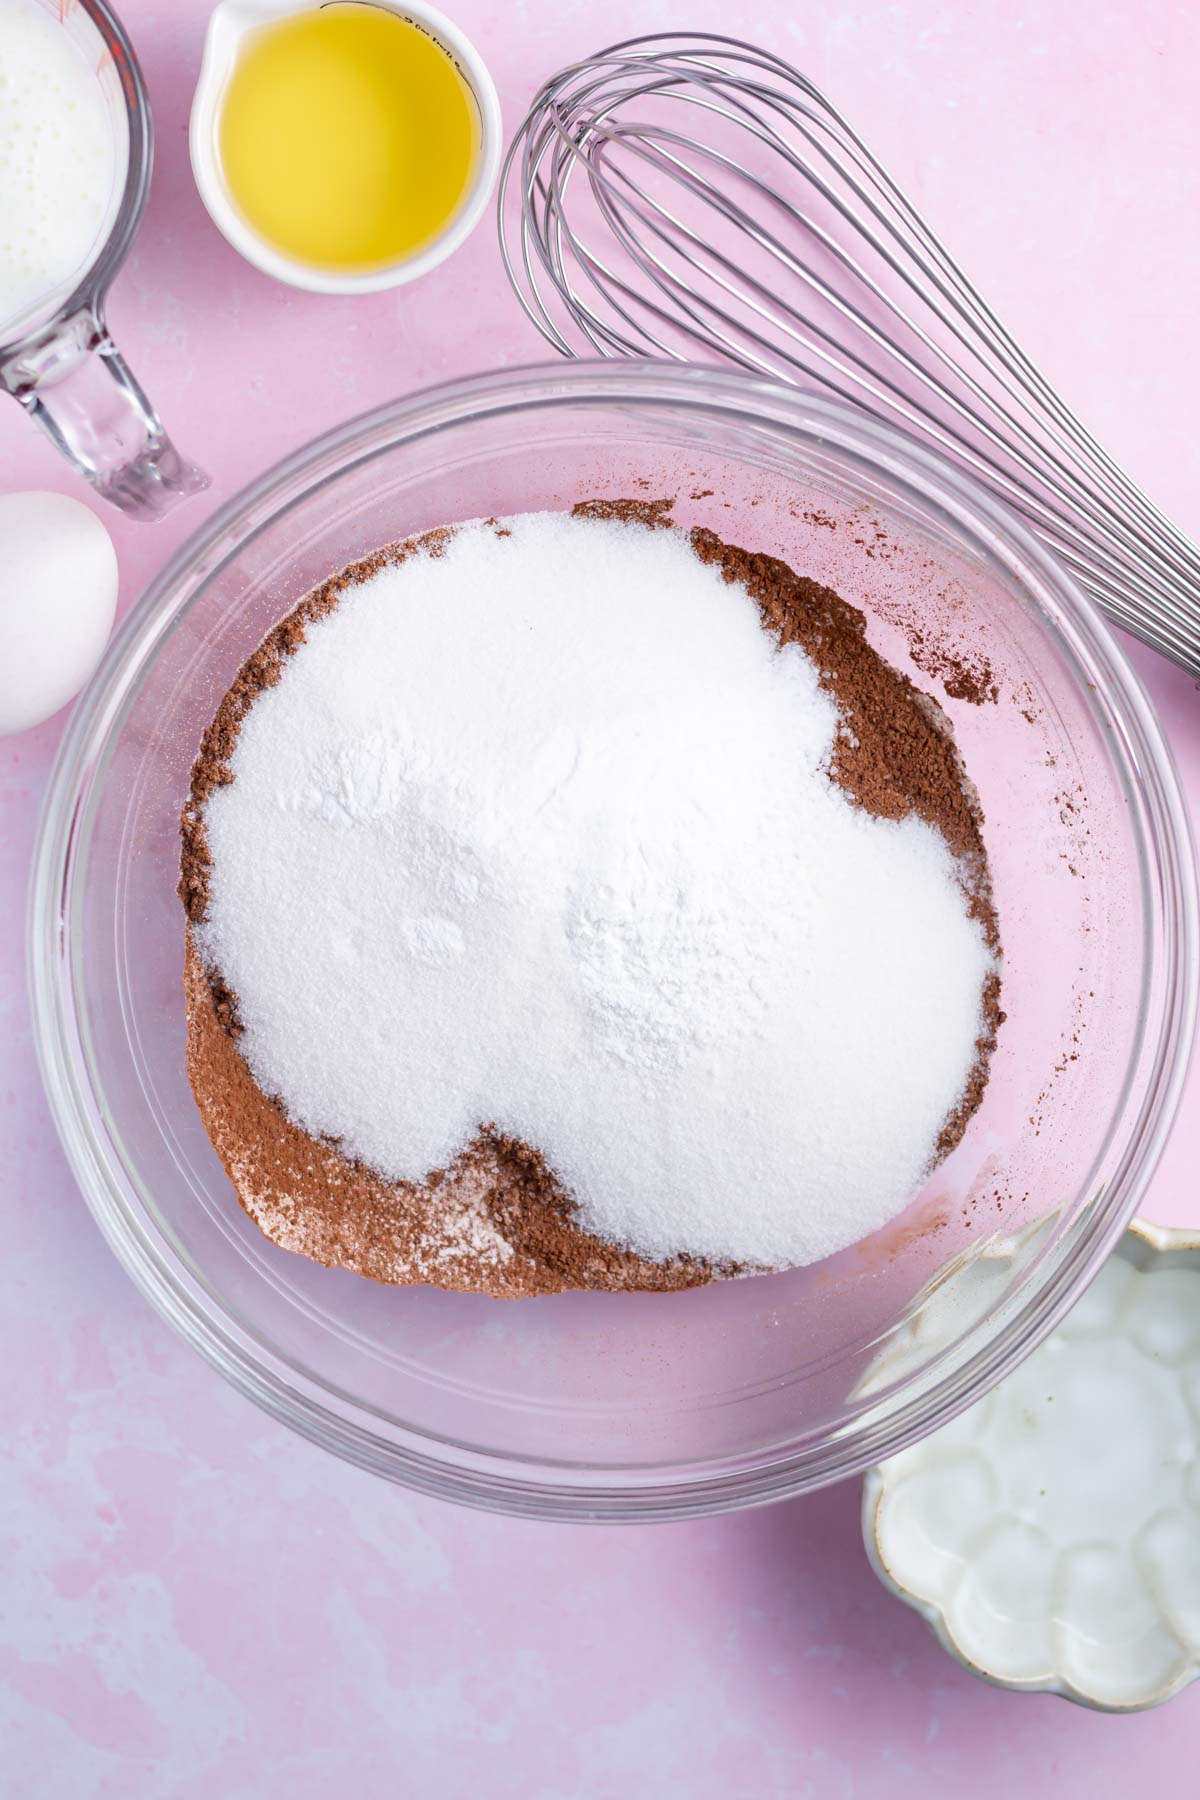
(62, 164)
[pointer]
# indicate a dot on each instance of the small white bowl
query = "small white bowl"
(227, 28)
(1050, 1535)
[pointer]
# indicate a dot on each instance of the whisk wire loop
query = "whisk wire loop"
(696, 197)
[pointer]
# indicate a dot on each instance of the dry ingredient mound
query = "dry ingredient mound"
(562, 788)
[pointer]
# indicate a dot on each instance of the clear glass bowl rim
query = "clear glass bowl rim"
(456, 1471)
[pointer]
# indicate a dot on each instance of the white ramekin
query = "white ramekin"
(1099, 1603)
(227, 28)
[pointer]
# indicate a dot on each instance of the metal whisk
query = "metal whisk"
(695, 197)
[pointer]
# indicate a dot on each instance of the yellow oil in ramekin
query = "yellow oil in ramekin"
(347, 136)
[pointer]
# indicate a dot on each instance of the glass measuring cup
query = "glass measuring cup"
(56, 357)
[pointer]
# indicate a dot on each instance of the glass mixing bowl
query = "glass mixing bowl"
(646, 1406)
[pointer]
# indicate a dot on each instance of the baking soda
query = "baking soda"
(538, 831)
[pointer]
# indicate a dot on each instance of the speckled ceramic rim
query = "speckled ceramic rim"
(561, 1489)
(1143, 1243)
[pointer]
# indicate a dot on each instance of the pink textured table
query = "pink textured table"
(193, 1603)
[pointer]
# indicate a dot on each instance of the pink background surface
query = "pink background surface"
(192, 1601)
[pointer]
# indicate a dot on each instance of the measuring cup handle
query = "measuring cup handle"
(73, 381)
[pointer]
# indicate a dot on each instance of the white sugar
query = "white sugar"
(539, 832)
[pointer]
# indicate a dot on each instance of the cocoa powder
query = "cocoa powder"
(498, 1221)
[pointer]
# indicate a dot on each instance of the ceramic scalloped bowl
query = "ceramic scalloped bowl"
(1050, 1534)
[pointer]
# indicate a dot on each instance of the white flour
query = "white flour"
(539, 832)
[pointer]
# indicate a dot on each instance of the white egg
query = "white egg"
(58, 594)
